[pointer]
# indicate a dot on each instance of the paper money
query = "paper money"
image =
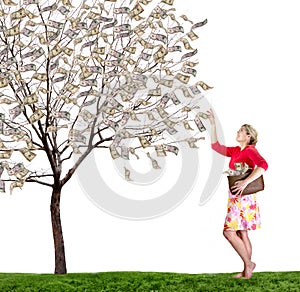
(169, 2)
(27, 32)
(154, 162)
(167, 82)
(194, 90)
(203, 85)
(185, 18)
(122, 10)
(150, 116)
(55, 128)
(163, 114)
(113, 152)
(132, 151)
(189, 71)
(27, 2)
(161, 52)
(145, 56)
(159, 37)
(164, 100)
(202, 115)
(30, 14)
(28, 67)
(174, 98)
(36, 116)
(144, 142)
(192, 36)
(175, 49)
(137, 10)
(124, 152)
(29, 155)
(2, 186)
(199, 124)
(191, 142)
(76, 136)
(122, 27)
(16, 111)
(19, 14)
(40, 76)
(16, 184)
(3, 83)
(160, 151)
(187, 125)
(75, 148)
(55, 24)
(171, 148)
(18, 170)
(127, 174)
(188, 55)
(5, 154)
(169, 123)
(62, 115)
(89, 82)
(86, 115)
(154, 92)
(182, 78)
(176, 29)
(199, 24)
(13, 31)
(63, 10)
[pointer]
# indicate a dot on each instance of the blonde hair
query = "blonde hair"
(252, 132)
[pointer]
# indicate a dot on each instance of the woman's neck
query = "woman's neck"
(243, 145)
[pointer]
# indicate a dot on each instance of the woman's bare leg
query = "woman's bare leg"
(240, 247)
(243, 234)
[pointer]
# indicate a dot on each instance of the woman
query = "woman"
(243, 212)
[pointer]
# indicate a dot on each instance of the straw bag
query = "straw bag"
(255, 186)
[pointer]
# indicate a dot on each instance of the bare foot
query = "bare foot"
(249, 270)
(239, 275)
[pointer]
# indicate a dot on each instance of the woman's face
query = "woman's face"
(242, 135)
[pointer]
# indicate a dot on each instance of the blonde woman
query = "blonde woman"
(243, 211)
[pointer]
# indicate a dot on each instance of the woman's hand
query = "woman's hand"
(211, 116)
(239, 187)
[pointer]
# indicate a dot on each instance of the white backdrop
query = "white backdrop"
(249, 52)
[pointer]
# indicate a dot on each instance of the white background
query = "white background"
(249, 52)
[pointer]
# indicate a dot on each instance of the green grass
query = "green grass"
(149, 282)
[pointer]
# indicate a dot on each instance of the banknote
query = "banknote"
(36, 116)
(160, 151)
(144, 141)
(199, 124)
(113, 152)
(2, 186)
(154, 162)
(182, 78)
(29, 155)
(5, 154)
(127, 174)
(124, 152)
(19, 14)
(171, 148)
(16, 184)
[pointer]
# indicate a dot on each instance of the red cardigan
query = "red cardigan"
(248, 155)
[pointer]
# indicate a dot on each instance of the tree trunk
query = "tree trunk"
(59, 247)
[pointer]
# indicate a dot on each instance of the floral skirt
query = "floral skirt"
(242, 213)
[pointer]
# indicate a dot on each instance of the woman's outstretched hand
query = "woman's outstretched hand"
(211, 116)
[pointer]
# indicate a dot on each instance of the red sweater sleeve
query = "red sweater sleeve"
(224, 150)
(257, 158)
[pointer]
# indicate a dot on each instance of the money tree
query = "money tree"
(80, 77)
